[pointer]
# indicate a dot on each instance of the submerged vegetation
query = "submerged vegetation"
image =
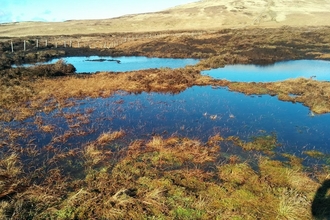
(173, 178)
(157, 177)
(259, 143)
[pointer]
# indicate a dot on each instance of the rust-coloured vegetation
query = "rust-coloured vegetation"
(162, 178)
(174, 178)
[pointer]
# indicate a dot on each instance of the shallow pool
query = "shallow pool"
(316, 69)
(198, 112)
(123, 64)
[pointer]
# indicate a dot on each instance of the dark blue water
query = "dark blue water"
(198, 112)
(317, 69)
(91, 64)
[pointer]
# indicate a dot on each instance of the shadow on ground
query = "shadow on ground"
(321, 202)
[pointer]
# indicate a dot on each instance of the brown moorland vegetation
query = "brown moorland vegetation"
(173, 178)
(26, 90)
(165, 178)
(23, 100)
(217, 48)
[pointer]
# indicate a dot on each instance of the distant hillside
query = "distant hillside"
(204, 14)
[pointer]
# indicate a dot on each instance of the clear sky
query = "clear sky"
(61, 10)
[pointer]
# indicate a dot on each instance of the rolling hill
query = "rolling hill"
(203, 14)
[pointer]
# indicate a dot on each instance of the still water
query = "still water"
(317, 69)
(123, 64)
(198, 112)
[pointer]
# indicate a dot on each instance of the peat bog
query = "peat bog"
(166, 143)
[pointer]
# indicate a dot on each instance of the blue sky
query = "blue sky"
(61, 10)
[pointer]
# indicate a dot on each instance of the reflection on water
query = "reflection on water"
(316, 69)
(198, 112)
(122, 64)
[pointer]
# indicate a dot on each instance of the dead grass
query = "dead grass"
(10, 170)
(95, 153)
(47, 128)
(105, 138)
(173, 178)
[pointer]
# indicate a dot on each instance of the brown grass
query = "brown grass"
(47, 128)
(10, 170)
(105, 138)
(173, 178)
(46, 94)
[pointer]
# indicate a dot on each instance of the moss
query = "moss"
(65, 214)
(187, 213)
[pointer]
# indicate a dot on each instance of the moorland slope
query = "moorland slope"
(203, 14)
